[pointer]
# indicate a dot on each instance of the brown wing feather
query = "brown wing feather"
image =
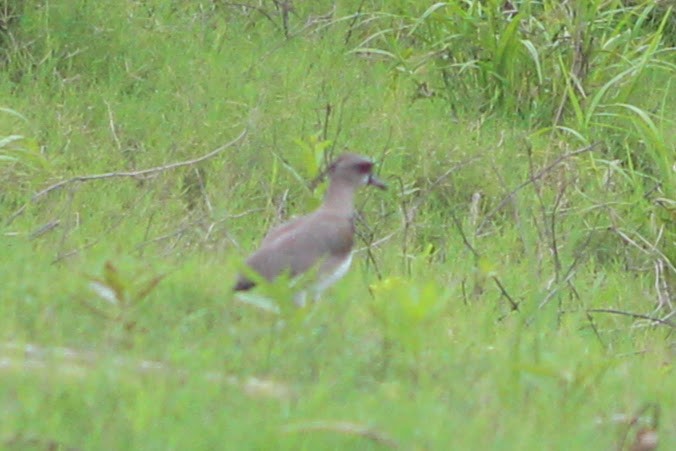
(243, 282)
(312, 240)
(280, 230)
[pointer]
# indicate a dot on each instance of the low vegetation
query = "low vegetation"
(515, 287)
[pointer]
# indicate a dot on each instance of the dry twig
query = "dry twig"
(120, 174)
(534, 178)
(343, 427)
(664, 322)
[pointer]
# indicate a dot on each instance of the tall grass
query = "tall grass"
(579, 73)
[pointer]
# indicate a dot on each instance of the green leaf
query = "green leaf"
(428, 12)
(147, 288)
(7, 140)
(506, 47)
(14, 113)
(112, 278)
(535, 56)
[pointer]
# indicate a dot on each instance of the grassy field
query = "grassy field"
(515, 287)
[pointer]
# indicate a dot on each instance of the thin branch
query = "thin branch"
(51, 225)
(542, 232)
(559, 286)
(592, 324)
(255, 8)
(588, 315)
(369, 244)
(113, 128)
(284, 7)
(350, 29)
(328, 109)
(653, 247)
(343, 427)
(377, 243)
(552, 231)
(555, 246)
(140, 173)
(63, 255)
(664, 322)
(464, 236)
(20, 441)
(513, 304)
(532, 179)
(183, 229)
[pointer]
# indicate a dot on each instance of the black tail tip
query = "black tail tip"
(243, 285)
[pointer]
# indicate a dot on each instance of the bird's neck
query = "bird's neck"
(339, 198)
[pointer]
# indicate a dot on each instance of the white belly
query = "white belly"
(300, 298)
(329, 279)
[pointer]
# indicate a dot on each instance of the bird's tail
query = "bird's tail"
(243, 284)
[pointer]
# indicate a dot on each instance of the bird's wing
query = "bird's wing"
(299, 249)
(255, 261)
(280, 230)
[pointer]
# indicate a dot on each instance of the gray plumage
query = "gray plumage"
(321, 239)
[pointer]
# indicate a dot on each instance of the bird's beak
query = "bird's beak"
(375, 181)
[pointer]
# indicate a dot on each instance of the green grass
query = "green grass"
(118, 328)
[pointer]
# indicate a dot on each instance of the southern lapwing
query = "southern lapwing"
(320, 242)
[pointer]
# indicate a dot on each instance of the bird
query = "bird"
(321, 241)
